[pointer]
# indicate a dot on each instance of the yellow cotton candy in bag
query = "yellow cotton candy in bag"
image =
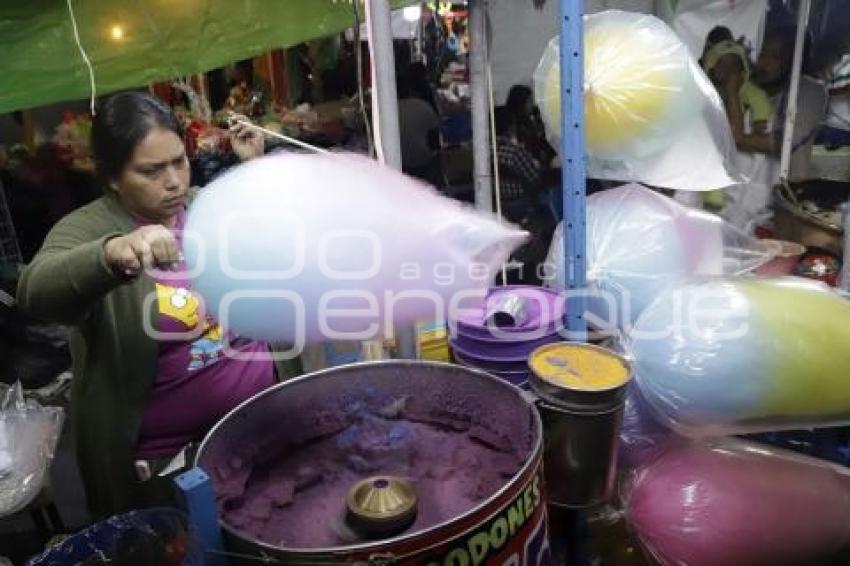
(805, 337)
(638, 85)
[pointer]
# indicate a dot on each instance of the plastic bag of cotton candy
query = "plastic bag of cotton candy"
(642, 436)
(640, 243)
(745, 355)
(295, 248)
(29, 434)
(651, 114)
(735, 502)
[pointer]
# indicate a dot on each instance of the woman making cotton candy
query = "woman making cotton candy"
(152, 373)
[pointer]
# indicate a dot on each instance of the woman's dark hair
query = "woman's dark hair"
(504, 120)
(121, 122)
(517, 99)
(718, 34)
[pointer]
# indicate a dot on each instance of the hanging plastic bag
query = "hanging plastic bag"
(28, 437)
(299, 248)
(736, 502)
(642, 437)
(640, 243)
(651, 114)
(745, 355)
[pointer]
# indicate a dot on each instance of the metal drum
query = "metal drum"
(507, 526)
(581, 390)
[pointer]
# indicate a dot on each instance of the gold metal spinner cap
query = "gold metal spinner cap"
(381, 506)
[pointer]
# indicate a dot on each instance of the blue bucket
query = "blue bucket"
(149, 536)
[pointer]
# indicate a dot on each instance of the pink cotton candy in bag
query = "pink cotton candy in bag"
(302, 247)
(736, 503)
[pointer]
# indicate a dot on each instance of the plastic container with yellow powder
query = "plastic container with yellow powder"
(582, 390)
(586, 376)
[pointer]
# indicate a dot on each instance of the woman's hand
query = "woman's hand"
(149, 246)
(247, 143)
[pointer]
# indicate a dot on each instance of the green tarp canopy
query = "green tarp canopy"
(137, 42)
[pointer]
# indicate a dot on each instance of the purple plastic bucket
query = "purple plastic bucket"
(500, 351)
(490, 366)
(514, 377)
(520, 379)
(544, 316)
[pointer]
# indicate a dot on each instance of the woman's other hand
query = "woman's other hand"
(247, 143)
(149, 246)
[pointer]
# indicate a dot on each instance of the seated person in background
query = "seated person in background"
(419, 130)
(747, 105)
(759, 149)
(420, 87)
(520, 173)
(773, 74)
(520, 186)
(715, 36)
(529, 125)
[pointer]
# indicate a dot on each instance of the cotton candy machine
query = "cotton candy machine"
(399, 461)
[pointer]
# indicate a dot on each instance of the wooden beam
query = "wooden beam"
(29, 130)
(272, 78)
(276, 61)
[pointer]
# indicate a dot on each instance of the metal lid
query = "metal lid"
(381, 506)
(580, 376)
(529, 308)
(508, 311)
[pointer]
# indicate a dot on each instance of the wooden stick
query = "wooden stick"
(287, 139)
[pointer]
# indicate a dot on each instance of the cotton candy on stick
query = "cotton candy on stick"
(298, 246)
(742, 504)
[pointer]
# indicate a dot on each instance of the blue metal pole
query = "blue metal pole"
(573, 178)
(574, 188)
(195, 492)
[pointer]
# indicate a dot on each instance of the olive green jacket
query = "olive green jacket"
(114, 359)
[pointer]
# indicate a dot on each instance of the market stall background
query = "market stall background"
(121, 36)
(138, 42)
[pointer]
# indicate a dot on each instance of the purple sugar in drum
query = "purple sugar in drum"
(286, 465)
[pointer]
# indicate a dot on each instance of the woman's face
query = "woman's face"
(726, 66)
(155, 181)
(774, 62)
